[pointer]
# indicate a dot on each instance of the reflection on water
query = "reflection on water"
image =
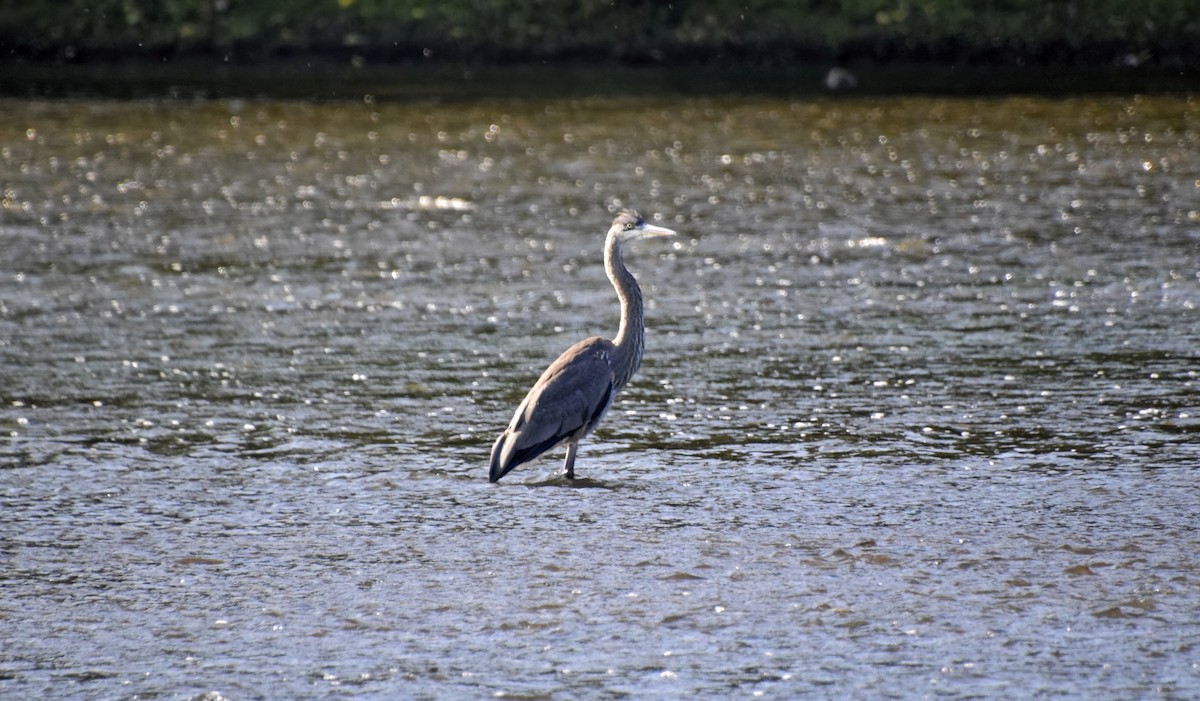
(918, 414)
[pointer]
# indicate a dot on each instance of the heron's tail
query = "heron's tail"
(498, 468)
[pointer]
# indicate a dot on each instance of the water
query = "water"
(918, 415)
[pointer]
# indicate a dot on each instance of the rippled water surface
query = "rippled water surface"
(919, 414)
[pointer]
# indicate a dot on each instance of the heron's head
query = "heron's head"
(629, 226)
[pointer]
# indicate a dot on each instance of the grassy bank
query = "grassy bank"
(1063, 32)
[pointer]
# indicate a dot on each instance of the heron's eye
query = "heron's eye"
(628, 226)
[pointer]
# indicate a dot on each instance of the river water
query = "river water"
(919, 415)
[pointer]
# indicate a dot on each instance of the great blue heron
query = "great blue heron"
(571, 396)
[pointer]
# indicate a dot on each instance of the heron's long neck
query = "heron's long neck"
(630, 338)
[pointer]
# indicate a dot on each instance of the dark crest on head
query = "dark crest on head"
(629, 216)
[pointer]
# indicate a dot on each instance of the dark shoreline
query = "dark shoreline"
(323, 77)
(947, 50)
(1016, 45)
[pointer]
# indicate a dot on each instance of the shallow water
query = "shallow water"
(919, 413)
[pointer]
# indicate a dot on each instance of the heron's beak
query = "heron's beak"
(651, 231)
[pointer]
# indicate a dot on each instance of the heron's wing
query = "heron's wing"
(570, 397)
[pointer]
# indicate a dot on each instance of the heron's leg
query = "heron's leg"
(572, 447)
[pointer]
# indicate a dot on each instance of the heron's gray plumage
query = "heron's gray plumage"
(571, 396)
